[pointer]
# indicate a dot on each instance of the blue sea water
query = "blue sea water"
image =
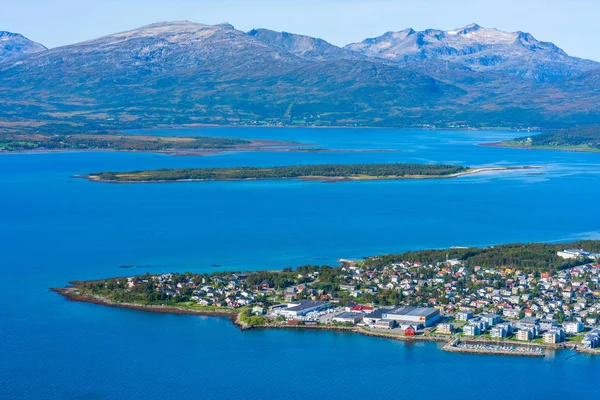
(55, 228)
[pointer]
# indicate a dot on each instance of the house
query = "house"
(410, 331)
(289, 297)
(512, 312)
(258, 311)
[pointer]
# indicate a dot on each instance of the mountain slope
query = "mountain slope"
(14, 45)
(480, 49)
(160, 47)
(303, 46)
(191, 73)
(183, 73)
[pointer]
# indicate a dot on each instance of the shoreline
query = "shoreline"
(423, 128)
(549, 148)
(473, 171)
(275, 147)
(253, 145)
(72, 294)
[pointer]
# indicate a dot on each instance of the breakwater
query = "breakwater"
(508, 350)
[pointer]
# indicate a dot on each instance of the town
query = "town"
(472, 307)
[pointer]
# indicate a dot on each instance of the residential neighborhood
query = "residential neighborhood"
(409, 298)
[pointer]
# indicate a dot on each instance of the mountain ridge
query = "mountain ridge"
(181, 73)
(481, 49)
(15, 45)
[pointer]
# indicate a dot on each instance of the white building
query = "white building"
(471, 330)
(498, 332)
(577, 253)
(303, 307)
(464, 315)
(573, 327)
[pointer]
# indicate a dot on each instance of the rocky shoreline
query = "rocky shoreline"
(72, 294)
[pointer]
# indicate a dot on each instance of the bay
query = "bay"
(55, 228)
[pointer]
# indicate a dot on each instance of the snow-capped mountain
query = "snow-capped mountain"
(480, 49)
(14, 45)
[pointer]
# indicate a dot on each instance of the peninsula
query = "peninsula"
(586, 139)
(324, 172)
(515, 299)
(200, 145)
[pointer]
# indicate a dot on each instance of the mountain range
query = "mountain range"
(182, 73)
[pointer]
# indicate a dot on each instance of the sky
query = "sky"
(570, 24)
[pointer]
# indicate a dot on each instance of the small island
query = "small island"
(585, 139)
(323, 172)
(514, 299)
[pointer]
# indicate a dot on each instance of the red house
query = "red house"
(409, 331)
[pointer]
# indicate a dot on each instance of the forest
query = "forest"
(588, 136)
(364, 171)
(529, 257)
(582, 139)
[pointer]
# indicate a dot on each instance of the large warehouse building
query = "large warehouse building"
(425, 316)
(303, 307)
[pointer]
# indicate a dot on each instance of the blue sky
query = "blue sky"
(571, 24)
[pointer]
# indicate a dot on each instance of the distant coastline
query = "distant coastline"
(514, 145)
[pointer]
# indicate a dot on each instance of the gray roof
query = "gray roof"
(306, 304)
(413, 311)
(377, 314)
(349, 315)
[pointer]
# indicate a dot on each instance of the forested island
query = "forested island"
(325, 172)
(585, 139)
(16, 142)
